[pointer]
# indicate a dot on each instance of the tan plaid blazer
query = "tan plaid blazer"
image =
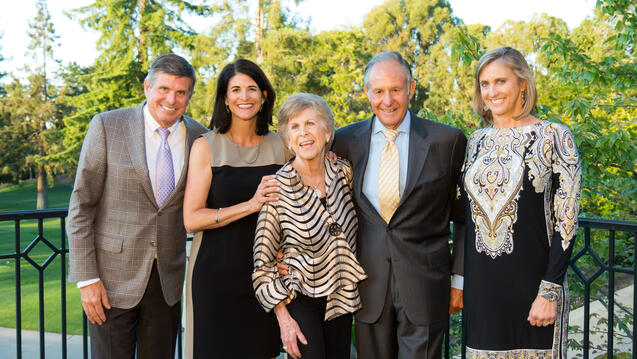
(115, 227)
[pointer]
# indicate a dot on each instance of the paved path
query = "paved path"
(53, 342)
(52, 346)
(598, 332)
(31, 345)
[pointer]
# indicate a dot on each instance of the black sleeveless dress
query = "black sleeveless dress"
(228, 322)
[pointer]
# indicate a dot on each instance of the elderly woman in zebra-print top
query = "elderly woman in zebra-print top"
(313, 224)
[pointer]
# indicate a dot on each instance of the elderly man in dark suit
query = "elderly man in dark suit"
(125, 225)
(406, 190)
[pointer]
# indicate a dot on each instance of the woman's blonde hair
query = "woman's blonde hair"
(516, 62)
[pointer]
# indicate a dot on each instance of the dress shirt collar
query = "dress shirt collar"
(402, 128)
(152, 125)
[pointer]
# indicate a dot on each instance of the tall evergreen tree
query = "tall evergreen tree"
(43, 40)
(132, 33)
(15, 136)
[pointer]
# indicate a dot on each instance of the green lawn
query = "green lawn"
(23, 197)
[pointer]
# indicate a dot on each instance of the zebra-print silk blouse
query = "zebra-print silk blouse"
(318, 243)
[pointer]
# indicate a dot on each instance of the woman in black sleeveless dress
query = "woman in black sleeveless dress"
(228, 182)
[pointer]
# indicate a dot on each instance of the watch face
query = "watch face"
(550, 296)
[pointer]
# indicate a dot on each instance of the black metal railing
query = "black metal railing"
(20, 256)
(609, 267)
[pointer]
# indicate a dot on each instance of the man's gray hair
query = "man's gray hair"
(387, 56)
(172, 64)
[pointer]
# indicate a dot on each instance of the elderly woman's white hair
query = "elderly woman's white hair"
(298, 103)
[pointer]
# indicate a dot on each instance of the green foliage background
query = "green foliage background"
(586, 76)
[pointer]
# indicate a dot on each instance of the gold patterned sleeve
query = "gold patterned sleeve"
(567, 169)
(566, 177)
(269, 287)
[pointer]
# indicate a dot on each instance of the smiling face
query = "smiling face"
(307, 135)
(167, 97)
(244, 98)
(501, 91)
(389, 91)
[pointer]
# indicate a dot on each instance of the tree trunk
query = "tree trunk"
(259, 38)
(143, 32)
(43, 194)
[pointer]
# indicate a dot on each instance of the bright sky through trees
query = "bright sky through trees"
(76, 44)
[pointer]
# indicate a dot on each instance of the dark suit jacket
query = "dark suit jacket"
(115, 226)
(415, 243)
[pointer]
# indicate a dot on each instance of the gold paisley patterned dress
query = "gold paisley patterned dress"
(523, 189)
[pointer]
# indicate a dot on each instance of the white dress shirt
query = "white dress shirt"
(376, 146)
(152, 140)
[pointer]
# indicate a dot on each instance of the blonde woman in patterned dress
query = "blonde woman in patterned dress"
(522, 180)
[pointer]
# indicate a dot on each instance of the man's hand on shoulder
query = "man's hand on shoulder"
(94, 300)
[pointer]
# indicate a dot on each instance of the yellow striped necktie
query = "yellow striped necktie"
(388, 193)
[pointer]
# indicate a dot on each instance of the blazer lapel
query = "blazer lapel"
(418, 150)
(135, 142)
(191, 136)
(359, 153)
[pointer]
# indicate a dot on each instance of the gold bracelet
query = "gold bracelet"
(217, 216)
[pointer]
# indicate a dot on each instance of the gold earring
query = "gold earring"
(523, 98)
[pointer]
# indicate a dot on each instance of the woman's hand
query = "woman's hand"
(290, 331)
(280, 266)
(542, 312)
(267, 186)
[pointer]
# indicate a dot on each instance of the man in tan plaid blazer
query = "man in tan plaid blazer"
(125, 225)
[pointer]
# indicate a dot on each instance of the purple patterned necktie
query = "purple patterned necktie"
(164, 175)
